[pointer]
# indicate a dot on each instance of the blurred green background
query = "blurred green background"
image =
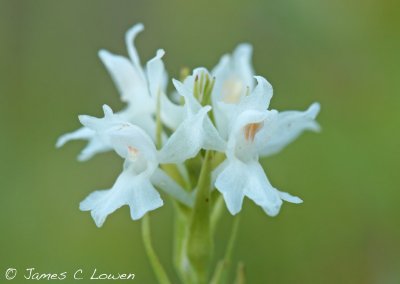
(344, 54)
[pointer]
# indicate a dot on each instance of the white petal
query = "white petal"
(258, 100)
(236, 67)
(171, 114)
(127, 77)
(247, 117)
(108, 112)
(238, 179)
(191, 104)
(242, 64)
(186, 141)
(290, 198)
(261, 96)
(95, 146)
(144, 198)
(211, 138)
(287, 126)
(95, 130)
(127, 137)
(234, 77)
(238, 146)
(112, 125)
(98, 124)
(221, 72)
(130, 37)
(194, 133)
(261, 191)
(231, 183)
(147, 123)
(83, 133)
(91, 200)
(222, 69)
(216, 172)
(156, 74)
(135, 191)
(224, 116)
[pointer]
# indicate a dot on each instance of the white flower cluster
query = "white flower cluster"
(225, 110)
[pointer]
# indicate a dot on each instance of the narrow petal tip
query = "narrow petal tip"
(83, 156)
(134, 30)
(99, 219)
(108, 112)
(262, 82)
(104, 54)
(243, 49)
(313, 110)
(160, 53)
(61, 141)
(84, 119)
(290, 198)
(179, 87)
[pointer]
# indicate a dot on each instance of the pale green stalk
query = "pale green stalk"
(221, 272)
(216, 213)
(199, 245)
(158, 269)
(179, 244)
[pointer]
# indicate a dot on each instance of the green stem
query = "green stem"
(216, 213)
(199, 245)
(179, 248)
(158, 269)
(221, 272)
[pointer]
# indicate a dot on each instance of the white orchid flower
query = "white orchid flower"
(257, 131)
(135, 185)
(196, 130)
(138, 87)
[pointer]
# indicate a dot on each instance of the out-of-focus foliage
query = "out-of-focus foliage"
(344, 54)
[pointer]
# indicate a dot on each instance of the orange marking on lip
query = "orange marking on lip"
(251, 130)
